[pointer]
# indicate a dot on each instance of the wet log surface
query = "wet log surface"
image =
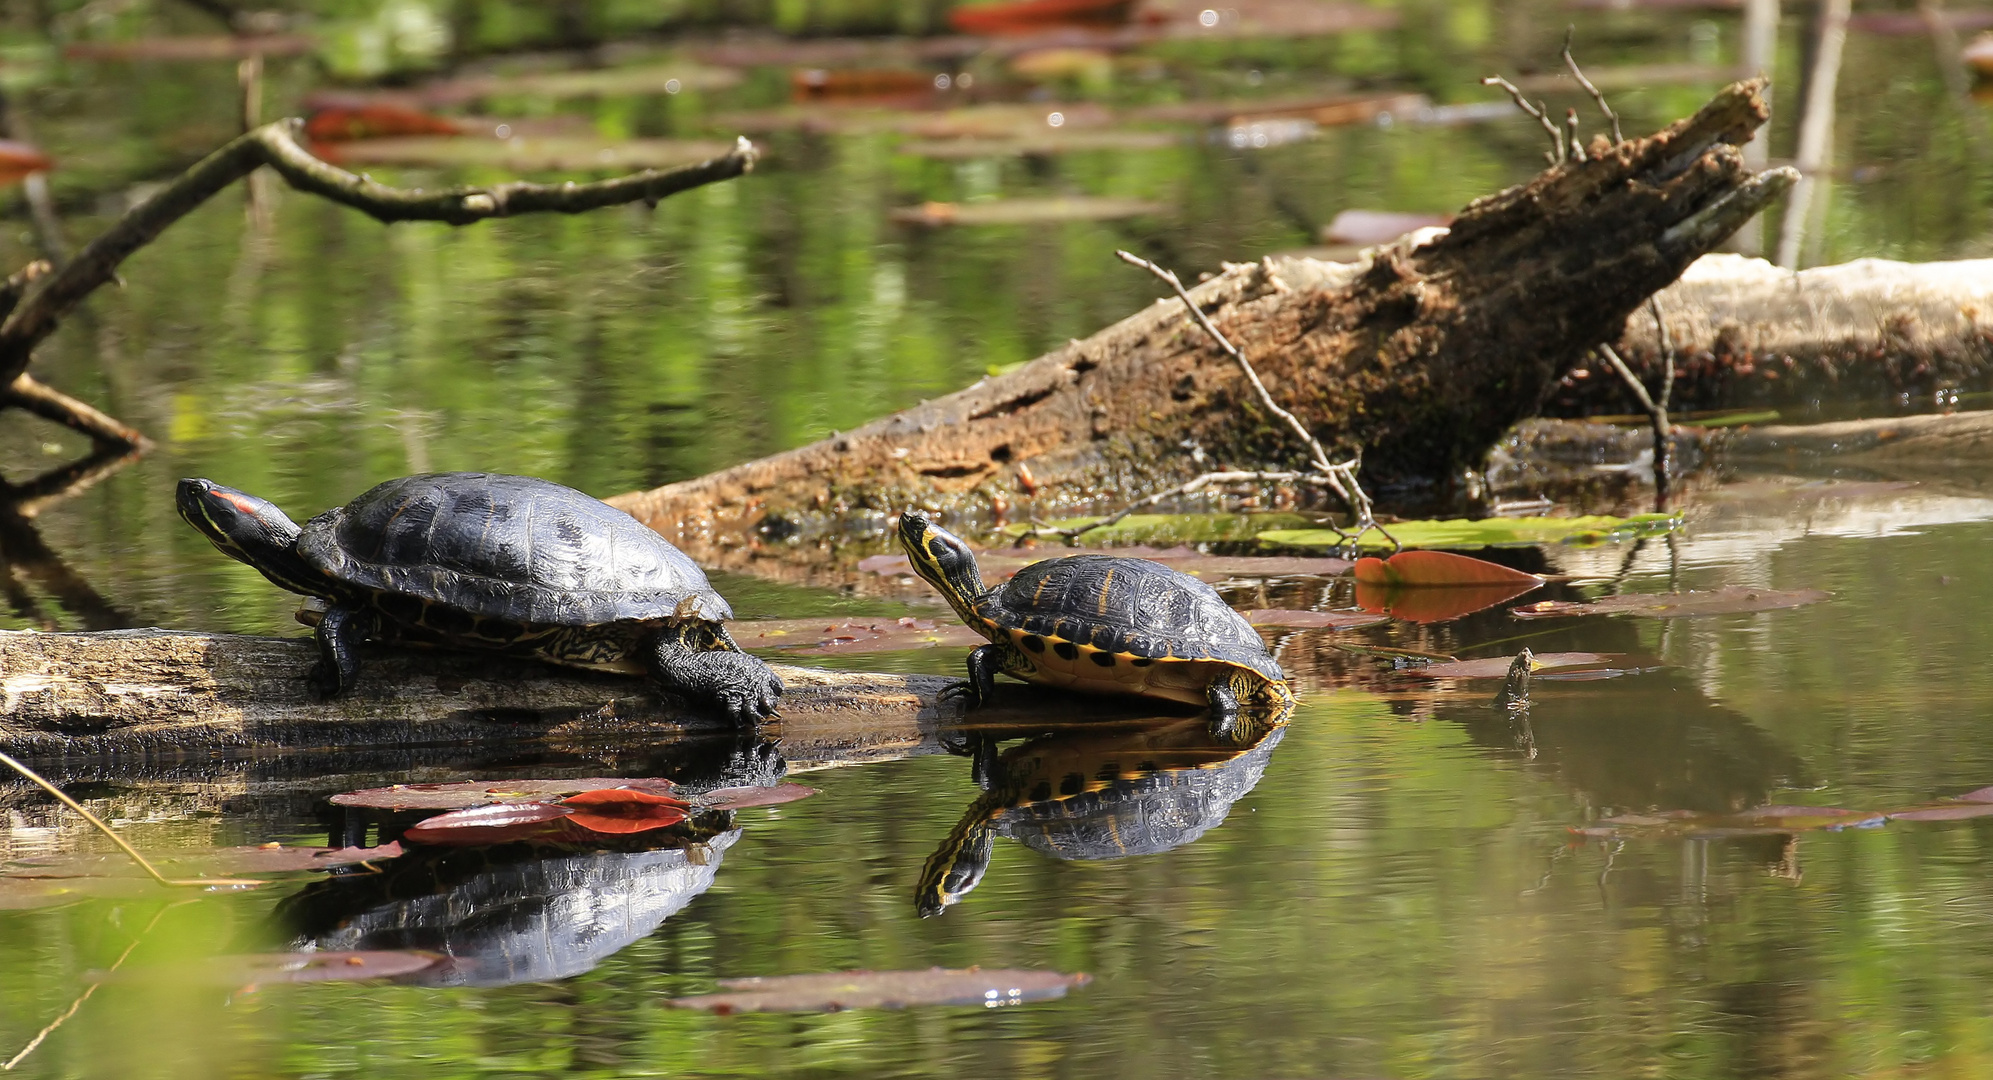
(155, 692)
(1422, 355)
(1748, 334)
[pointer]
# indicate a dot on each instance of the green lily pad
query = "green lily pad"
(1488, 532)
(1172, 528)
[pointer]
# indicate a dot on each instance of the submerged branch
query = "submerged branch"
(276, 145)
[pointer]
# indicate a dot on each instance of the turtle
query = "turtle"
(485, 561)
(1099, 795)
(1100, 624)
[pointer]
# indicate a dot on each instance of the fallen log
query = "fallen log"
(1421, 355)
(153, 692)
(1748, 334)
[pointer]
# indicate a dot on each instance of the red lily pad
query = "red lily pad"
(623, 810)
(1734, 600)
(1437, 569)
(497, 824)
(468, 793)
(18, 160)
(1419, 604)
(263, 969)
(1574, 666)
(837, 991)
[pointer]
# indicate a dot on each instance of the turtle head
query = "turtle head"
(250, 530)
(956, 868)
(941, 558)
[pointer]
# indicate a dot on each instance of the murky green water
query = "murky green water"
(1394, 888)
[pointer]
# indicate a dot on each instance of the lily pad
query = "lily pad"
(742, 798)
(837, 991)
(1759, 821)
(501, 823)
(1487, 532)
(264, 969)
(468, 793)
(1428, 605)
(1438, 569)
(1734, 600)
(1571, 666)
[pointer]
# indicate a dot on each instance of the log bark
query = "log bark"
(1420, 355)
(1748, 334)
(152, 692)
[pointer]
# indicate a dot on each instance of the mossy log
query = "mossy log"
(1420, 355)
(163, 692)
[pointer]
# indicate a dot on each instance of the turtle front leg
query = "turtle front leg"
(984, 663)
(340, 631)
(702, 662)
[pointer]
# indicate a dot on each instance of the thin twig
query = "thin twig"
(64, 799)
(1572, 65)
(42, 1035)
(276, 145)
(1657, 416)
(1542, 117)
(1338, 476)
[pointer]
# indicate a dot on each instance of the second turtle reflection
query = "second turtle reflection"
(1096, 794)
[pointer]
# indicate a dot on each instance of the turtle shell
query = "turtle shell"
(1131, 607)
(508, 547)
(1138, 812)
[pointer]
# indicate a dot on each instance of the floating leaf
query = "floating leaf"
(836, 991)
(1734, 600)
(263, 969)
(623, 810)
(1487, 532)
(854, 85)
(742, 798)
(1571, 666)
(373, 120)
(18, 160)
(1759, 821)
(1419, 605)
(1960, 812)
(1432, 569)
(1032, 16)
(498, 824)
(468, 793)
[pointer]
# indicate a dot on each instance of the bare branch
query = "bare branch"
(16, 285)
(1557, 151)
(1657, 412)
(25, 392)
(1571, 64)
(277, 146)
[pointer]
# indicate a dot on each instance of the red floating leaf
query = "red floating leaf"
(261, 969)
(498, 824)
(18, 160)
(373, 120)
(1031, 16)
(835, 991)
(624, 810)
(1425, 569)
(603, 797)
(1419, 604)
(468, 793)
(1735, 600)
(871, 85)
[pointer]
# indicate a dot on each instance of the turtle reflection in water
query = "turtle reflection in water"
(512, 913)
(1101, 624)
(1099, 795)
(509, 564)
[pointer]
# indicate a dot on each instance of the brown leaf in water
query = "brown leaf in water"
(1438, 569)
(263, 969)
(468, 793)
(836, 991)
(623, 810)
(1419, 604)
(1734, 600)
(501, 823)
(1573, 666)
(19, 160)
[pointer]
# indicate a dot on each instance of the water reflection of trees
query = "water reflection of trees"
(24, 557)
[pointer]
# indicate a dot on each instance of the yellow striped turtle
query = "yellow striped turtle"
(1101, 624)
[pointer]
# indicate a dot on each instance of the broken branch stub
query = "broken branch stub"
(1420, 355)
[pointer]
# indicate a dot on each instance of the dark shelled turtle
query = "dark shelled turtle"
(1101, 624)
(509, 564)
(1098, 795)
